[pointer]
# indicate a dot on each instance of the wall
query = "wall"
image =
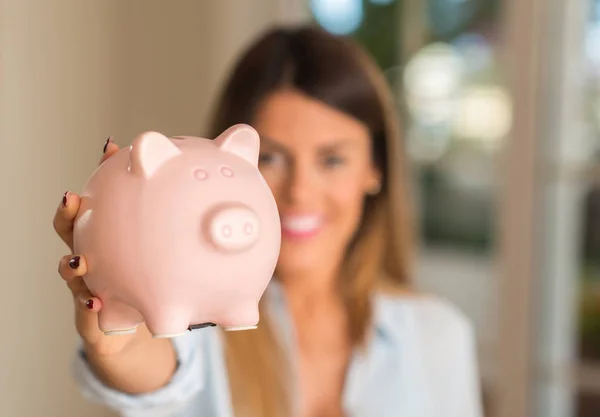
(72, 73)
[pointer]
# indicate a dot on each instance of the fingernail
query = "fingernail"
(89, 304)
(64, 200)
(74, 262)
(106, 144)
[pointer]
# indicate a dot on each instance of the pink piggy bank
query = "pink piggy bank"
(179, 233)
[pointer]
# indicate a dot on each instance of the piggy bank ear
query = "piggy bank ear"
(149, 151)
(241, 140)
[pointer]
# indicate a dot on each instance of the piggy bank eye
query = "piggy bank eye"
(226, 172)
(200, 174)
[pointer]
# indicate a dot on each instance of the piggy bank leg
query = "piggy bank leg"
(239, 328)
(116, 318)
(243, 317)
(166, 323)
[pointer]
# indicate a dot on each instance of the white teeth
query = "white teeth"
(301, 223)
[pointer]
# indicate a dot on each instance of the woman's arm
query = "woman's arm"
(134, 374)
(172, 396)
(128, 370)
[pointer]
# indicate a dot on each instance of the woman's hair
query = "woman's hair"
(340, 74)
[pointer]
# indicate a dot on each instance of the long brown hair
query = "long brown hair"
(339, 73)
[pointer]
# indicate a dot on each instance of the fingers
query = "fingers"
(109, 149)
(69, 205)
(87, 303)
(71, 268)
(64, 217)
(86, 316)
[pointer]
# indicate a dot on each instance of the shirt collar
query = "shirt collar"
(386, 318)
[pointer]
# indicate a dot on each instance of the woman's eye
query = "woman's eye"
(269, 158)
(333, 161)
(265, 158)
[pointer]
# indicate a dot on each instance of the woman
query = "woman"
(341, 331)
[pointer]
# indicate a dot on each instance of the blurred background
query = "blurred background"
(500, 102)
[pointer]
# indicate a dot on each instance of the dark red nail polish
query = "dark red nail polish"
(74, 262)
(106, 144)
(64, 200)
(89, 304)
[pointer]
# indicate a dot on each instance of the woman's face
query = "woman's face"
(317, 161)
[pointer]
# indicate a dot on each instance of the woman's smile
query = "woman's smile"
(301, 226)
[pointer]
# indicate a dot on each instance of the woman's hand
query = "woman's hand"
(73, 267)
(133, 363)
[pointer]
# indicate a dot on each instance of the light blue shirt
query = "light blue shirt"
(420, 362)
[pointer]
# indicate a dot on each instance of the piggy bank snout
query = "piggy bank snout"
(233, 228)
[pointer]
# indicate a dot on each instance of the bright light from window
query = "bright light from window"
(340, 17)
(483, 115)
(432, 80)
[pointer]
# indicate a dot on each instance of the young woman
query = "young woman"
(341, 331)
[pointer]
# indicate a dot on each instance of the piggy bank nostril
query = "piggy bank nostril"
(248, 228)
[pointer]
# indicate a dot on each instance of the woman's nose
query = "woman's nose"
(301, 184)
